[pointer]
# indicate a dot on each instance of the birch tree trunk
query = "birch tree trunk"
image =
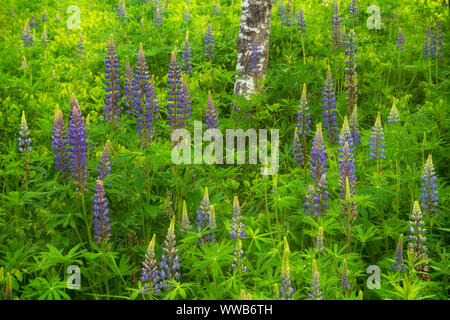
(255, 20)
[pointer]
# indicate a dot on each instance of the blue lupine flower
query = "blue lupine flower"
(104, 167)
(319, 240)
(239, 258)
(209, 42)
(237, 227)
(150, 273)
(128, 86)
(353, 11)
(211, 118)
(203, 218)
(282, 13)
(186, 56)
(400, 40)
(315, 293)
(185, 223)
(354, 129)
(80, 48)
(187, 111)
(399, 265)
(429, 194)
(175, 97)
(346, 166)
(217, 9)
(33, 22)
(186, 16)
(376, 145)
(351, 78)
(329, 108)
(436, 40)
(112, 83)
(393, 114)
(301, 24)
(121, 12)
(286, 290)
(316, 199)
(318, 156)
(169, 258)
(59, 144)
(303, 116)
(44, 16)
(429, 50)
(158, 19)
(344, 280)
(102, 226)
(24, 140)
(336, 36)
(297, 151)
(27, 36)
(417, 244)
(78, 146)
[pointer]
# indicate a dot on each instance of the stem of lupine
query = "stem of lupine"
(303, 49)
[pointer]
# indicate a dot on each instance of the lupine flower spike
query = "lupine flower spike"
(303, 115)
(319, 240)
(203, 218)
(104, 168)
(428, 50)
(186, 56)
(377, 141)
(186, 16)
(316, 199)
(101, 220)
(297, 151)
(400, 40)
(44, 38)
(27, 36)
(78, 146)
(33, 22)
(286, 290)
(346, 166)
(185, 224)
(59, 144)
(44, 16)
(351, 78)
(344, 280)
(24, 140)
(128, 94)
(150, 273)
(112, 83)
(237, 227)
(354, 129)
(217, 10)
(212, 219)
(80, 48)
(329, 108)
(211, 118)
(238, 257)
(429, 195)
(158, 19)
(399, 265)
(437, 39)
(175, 98)
(393, 114)
(336, 36)
(169, 258)
(417, 245)
(353, 11)
(301, 24)
(209, 42)
(121, 12)
(315, 293)
(318, 162)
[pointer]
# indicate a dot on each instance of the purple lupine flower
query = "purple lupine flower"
(112, 83)
(417, 245)
(185, 223)
(303, 116)
(319, 240)
(169, 258)
(399, 265)
(33, 22)
(351, 78)
(128, 86)
(211, 118)
(144, 107)
(316, 199)
(59, 144)
(27, 36)
(344, 280)
(309, 204)
(237, 227)
(121, 12)
(429, 51)
(376, 145)
(400, 40)
(282, 13)
(77, 145)
(186, 56)
(393, 114)
(315, 293)
(150, 273)
(187, 111)
(238, 258)
(203, 218)
(318, 155)
(81, 52)
(175, 98)
(44, 38)
(297, 151)
(24, 142)
(353, 11)
(346, 166)
(256, 56)
(217, 9)
(102, 227)
(104, 167)
(354, 129)
(209, 42)
(336, 36)
(329, 108)
(44, 16)
(186, 16)
(158, 18)
(429, 195)
(301, 24)
(286, 290)
(436, 40)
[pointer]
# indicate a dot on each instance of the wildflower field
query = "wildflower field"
(348, 202)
